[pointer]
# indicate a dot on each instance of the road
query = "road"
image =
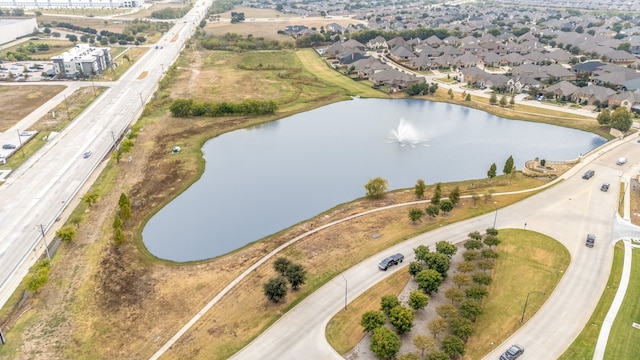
(39, 191)
(567, 212)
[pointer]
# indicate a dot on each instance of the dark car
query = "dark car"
(591, 240)
(390, 261)
(588, 174)
(604, 187)
(86, 154)
(8, 146)
(513, 352)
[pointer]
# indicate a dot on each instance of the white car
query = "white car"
(621, 161)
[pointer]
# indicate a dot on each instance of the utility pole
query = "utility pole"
(67, 106)
(46, 247)
(141, 101)
(345, 291)
(20, 141)
(527, 301)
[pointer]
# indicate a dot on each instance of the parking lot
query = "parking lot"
(25, 70)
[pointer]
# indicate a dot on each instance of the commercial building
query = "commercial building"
(43, 4)
(13, 28)
(82, 61)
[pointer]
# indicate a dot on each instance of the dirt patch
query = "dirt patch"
(19, 101)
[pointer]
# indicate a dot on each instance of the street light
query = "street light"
(46, 247)
(345, 291)
(527, 301)
(141, 101)
(495, 218)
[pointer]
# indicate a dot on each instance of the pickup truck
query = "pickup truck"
(390, 261)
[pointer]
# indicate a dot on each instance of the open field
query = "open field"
(17, 102)
(56, 47)
(146, 13)
(98, 24)
(82, 11)
(104, 301)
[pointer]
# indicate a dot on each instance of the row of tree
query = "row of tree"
(288, 272)
(236, 42)
(170, 13)
(620, 118)
(493, 100)
(191, 107)
(122, 215)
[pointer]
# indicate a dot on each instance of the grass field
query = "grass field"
(56, 47)
(146, 13)
(82, 11)
(17, 102)
(98, 24)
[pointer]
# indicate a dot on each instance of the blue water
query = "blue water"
(261, 180)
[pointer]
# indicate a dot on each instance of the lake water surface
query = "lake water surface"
(261, 180)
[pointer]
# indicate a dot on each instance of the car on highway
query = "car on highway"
(390, 261)
(587, 175)
(604, 187)
(8, 146)
(86, 154)
(512, 352)
(621, 161)
(591, 240)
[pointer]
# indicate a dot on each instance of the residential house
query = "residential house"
(591, 94)
(562, 90)
(627, 99)
(400, 53)
(395, 79)
(377, 43)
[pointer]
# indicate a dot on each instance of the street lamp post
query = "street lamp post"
(495, 218)
(141, 101)
(46, 247)
(345, 291)
(527, 301)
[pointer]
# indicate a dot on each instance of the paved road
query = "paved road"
(39, 191)
(567, 212)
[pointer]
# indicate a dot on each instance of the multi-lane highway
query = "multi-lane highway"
(38, 192)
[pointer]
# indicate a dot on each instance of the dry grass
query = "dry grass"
(17, 102)
(146, 13)
(56, 47)
(98, 24)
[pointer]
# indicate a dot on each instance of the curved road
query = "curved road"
(567, 212)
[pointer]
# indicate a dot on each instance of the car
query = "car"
(621, 161)
(8, 146)
(390, 261)
(587, 175)
(86, 154)
(513, 352)
(591, 240)
(604, 187)
(25, 133)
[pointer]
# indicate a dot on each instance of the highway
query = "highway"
(38, 192)
(567, 212)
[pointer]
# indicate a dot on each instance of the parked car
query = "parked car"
(591, 240)
(86, 154)
(8, 146)
(604, 187)
(513, 352)
(390, 261)
(588, 174)
(621, 161)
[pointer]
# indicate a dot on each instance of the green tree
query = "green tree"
(401, 318)
(437, 326)
(66, 233)
(125, 212)
(376, 188)
(468, 97)
(419, 188)
(473, 244)
(296, 275)
(90, 198)
(447, 248)
(493, 99)
(454, 294)
(492, 171)
(432, 210)
(424, 343)
(475, 235)
(117, 222)
(503, 101)
(281, 264)
(466, 267)
(454, 196)
(461, 280)
(438, 262)
(417, 300)
(450, 93)
(489, 253)
(491, 231)
(447, 311)
(408, 356)
(123, 200)
(429, 280)
(276, 289)
(621, 119)
(470, 255)
(385, 343)
(470, 309)
(453, 346)
(513, 100)
(414, 268)
(491, 241)
(416, 215)
(38, 276)
(604, 118)
(437, 194)
(462, 328)
(446, 206)
(438, 355)
(485, 264)
(422, 252)
(482, 279)
(508, 166)
(388, 302)
(372, 320)
(476, 292)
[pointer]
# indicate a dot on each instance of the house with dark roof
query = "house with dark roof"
(587, 67)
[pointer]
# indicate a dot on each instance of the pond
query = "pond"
(261, 180)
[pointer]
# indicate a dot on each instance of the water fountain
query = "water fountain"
(406, 134)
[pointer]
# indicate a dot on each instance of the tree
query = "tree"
(409, 356)
(432, 210)
(493, 231)
(461, 280)
(468, 97)
(414, 268)
(450, 93)
(604, 118)
(491, 240)
(437, 194)
(470, 309)
(475, 235)
(420, 187)
(416, 215)
(401, 318)
(125, 212)
(118, 236)
(471, 255)
(476, 292)
(38, 276)
(66, 233)
(465, 267)
(473, 244)
(621, 119)
(453, 346)
(485, 264)
(372, 320)
(492, 171)
(385, 343)
(508, 166)
(447, 248)
(422, 251)
(446, 206)
(117, 223)
(513, 100)
(454, 196)
(503, 101)
(429, 280)
(90, 198)
(438, 262)
(482, 279)
(454, 294)
(417, 300)
(296, 275)
(493, 99)
(281, 264)
(376, 188)
(388, 302)
(462, 327)
(423, 342)
(438, 355)
(437, 327)
(489, 253)
(72, 38)
(276, 289)
(447, 311)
